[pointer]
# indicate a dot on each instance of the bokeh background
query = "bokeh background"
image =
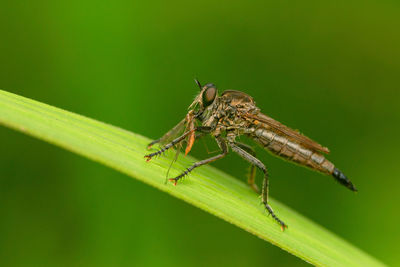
(330, 69)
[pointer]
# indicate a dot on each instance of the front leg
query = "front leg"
(200, 129)
(167, 146)
(253, 160)
(153, 143)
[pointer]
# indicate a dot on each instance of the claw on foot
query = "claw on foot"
(148, 158)
(174, 180)
(271, 212)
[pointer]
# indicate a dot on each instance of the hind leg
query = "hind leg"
(253, 160)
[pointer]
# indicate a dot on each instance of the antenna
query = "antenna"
(198, 83)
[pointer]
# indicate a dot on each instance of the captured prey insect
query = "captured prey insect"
(235, 113)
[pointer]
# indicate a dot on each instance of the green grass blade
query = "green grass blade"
(206, 188)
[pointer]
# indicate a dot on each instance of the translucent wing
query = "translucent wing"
(173, 133)
(178, 150)
(290, 133)
(168, 137)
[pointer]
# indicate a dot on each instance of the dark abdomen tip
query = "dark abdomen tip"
(341, 178)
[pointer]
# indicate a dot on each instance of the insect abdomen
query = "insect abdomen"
(283, 147)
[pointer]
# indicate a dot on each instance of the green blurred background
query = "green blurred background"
(330, 69)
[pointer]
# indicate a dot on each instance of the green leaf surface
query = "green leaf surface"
(207, 187)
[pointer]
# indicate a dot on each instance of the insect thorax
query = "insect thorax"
(225, 115)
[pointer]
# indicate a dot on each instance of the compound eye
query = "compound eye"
(209, 96)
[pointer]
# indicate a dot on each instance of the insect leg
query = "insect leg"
(264, 194)
(252, 174)
(167, 146)
(175, 141)
(221, 143)
(153, 143)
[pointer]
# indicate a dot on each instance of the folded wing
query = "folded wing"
(290, 133)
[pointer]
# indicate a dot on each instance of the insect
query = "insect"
(235, 113)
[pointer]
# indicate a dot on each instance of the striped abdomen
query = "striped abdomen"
(288, 149)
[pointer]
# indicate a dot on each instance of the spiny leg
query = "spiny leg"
(221, 143)
(174, 142)
(198, 136)
(264, 194)
(153, 143)
(252, 174)
(167, 146)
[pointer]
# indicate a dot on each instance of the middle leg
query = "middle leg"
(221, 143)
(252, 174)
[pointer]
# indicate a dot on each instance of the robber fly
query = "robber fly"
(235, 113)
